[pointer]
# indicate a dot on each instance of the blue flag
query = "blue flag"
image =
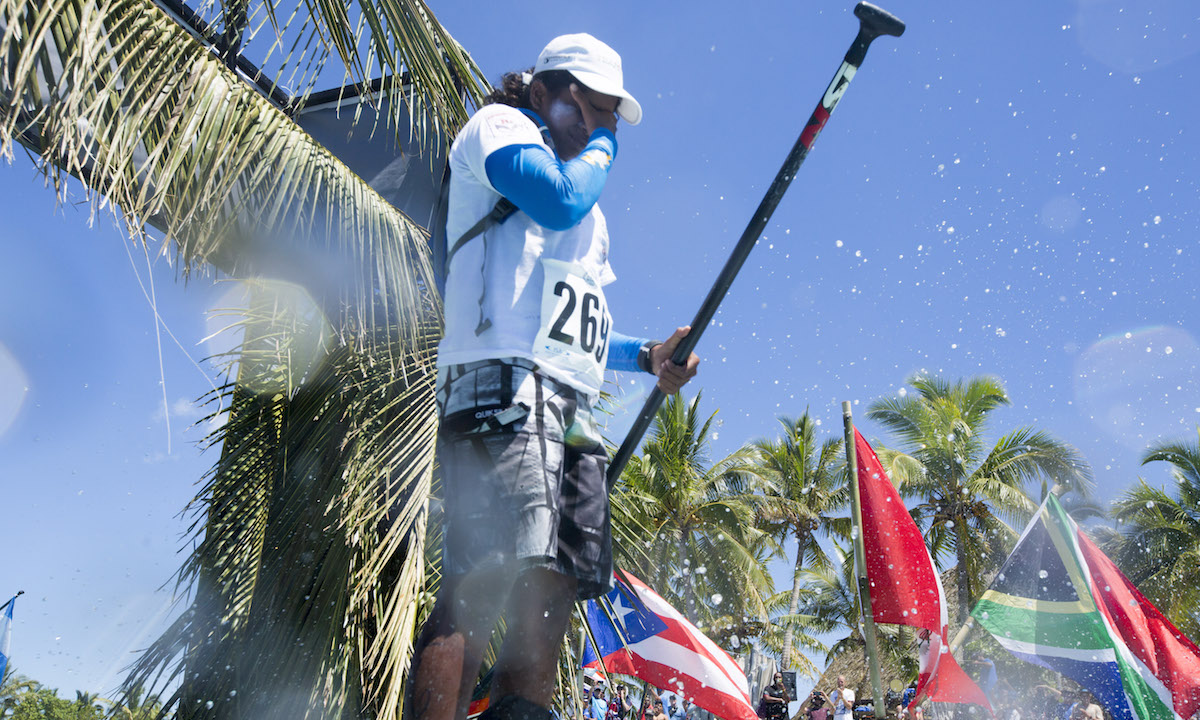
(6, 634)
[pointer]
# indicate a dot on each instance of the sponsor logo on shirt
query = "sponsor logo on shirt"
(597, 157)
(505, 125)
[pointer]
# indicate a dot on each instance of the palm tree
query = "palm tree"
(702, 550)
(1158, 546)
(136, 704)
(971, 495)
(305, 580)
(12, 686)
(833, 604)
(88, 705)
(809, 487)
(798, 627)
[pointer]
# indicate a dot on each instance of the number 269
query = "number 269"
(593, 322)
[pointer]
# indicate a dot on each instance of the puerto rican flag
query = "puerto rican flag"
(662, 648)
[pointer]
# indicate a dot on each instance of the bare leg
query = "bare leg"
(450, 648)
(539, 609)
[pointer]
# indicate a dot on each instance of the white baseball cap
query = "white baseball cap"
(594, 64)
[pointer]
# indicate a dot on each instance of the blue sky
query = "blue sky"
(1009, 189)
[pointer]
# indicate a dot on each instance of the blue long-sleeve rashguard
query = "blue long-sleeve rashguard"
(558, 195)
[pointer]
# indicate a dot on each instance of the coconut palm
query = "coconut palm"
(304, 581)
(310, 535)
(136, 704)
(702, 549)
(1158, 546)
(971, 495)
(12, 686)
(833, 604)
(88, 706)
(797, 626)
(809, 488)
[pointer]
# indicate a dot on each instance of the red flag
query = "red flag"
(941, 679)
(1155, 643)
(905, 587)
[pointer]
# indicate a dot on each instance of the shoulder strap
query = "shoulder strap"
(443, 255)
(437, 231)
(499, 214)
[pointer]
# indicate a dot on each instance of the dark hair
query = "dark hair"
(514, 92)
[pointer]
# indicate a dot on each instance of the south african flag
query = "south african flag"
(1060, 603)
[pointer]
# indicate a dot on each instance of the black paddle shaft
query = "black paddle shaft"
(872, 22)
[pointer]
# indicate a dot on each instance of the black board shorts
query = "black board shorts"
(523, 474)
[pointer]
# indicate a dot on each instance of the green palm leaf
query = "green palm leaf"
(697, 544)
(808, 485)
(309, 558)
(969, 495)
(117, 94)
(1158, 540)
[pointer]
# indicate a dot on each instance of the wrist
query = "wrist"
(603, 137)
(645, 356)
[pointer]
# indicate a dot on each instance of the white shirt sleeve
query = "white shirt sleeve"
(494, 127)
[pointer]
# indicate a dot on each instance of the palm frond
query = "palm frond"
(309, 561)
(405, 38)
(1184, 457)
(1028, 453)
(702, 549)
(115, 93)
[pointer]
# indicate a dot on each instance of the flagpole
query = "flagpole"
(9, 602)
(961, 637)
(583, 639)
(860, 566)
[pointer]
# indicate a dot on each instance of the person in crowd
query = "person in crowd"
(673, 709)
(818, 707)
(775, 699)
(1061, 704)
(985, 673)
(891, 700)
(659, 713)
(842, 698)
(619, 707)
(646, 712)
(597, 709)
(528, 337)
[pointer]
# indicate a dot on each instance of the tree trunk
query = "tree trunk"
(801, 541)
(690, 585)
(964, 578)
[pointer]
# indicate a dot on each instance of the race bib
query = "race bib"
(575, 323)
